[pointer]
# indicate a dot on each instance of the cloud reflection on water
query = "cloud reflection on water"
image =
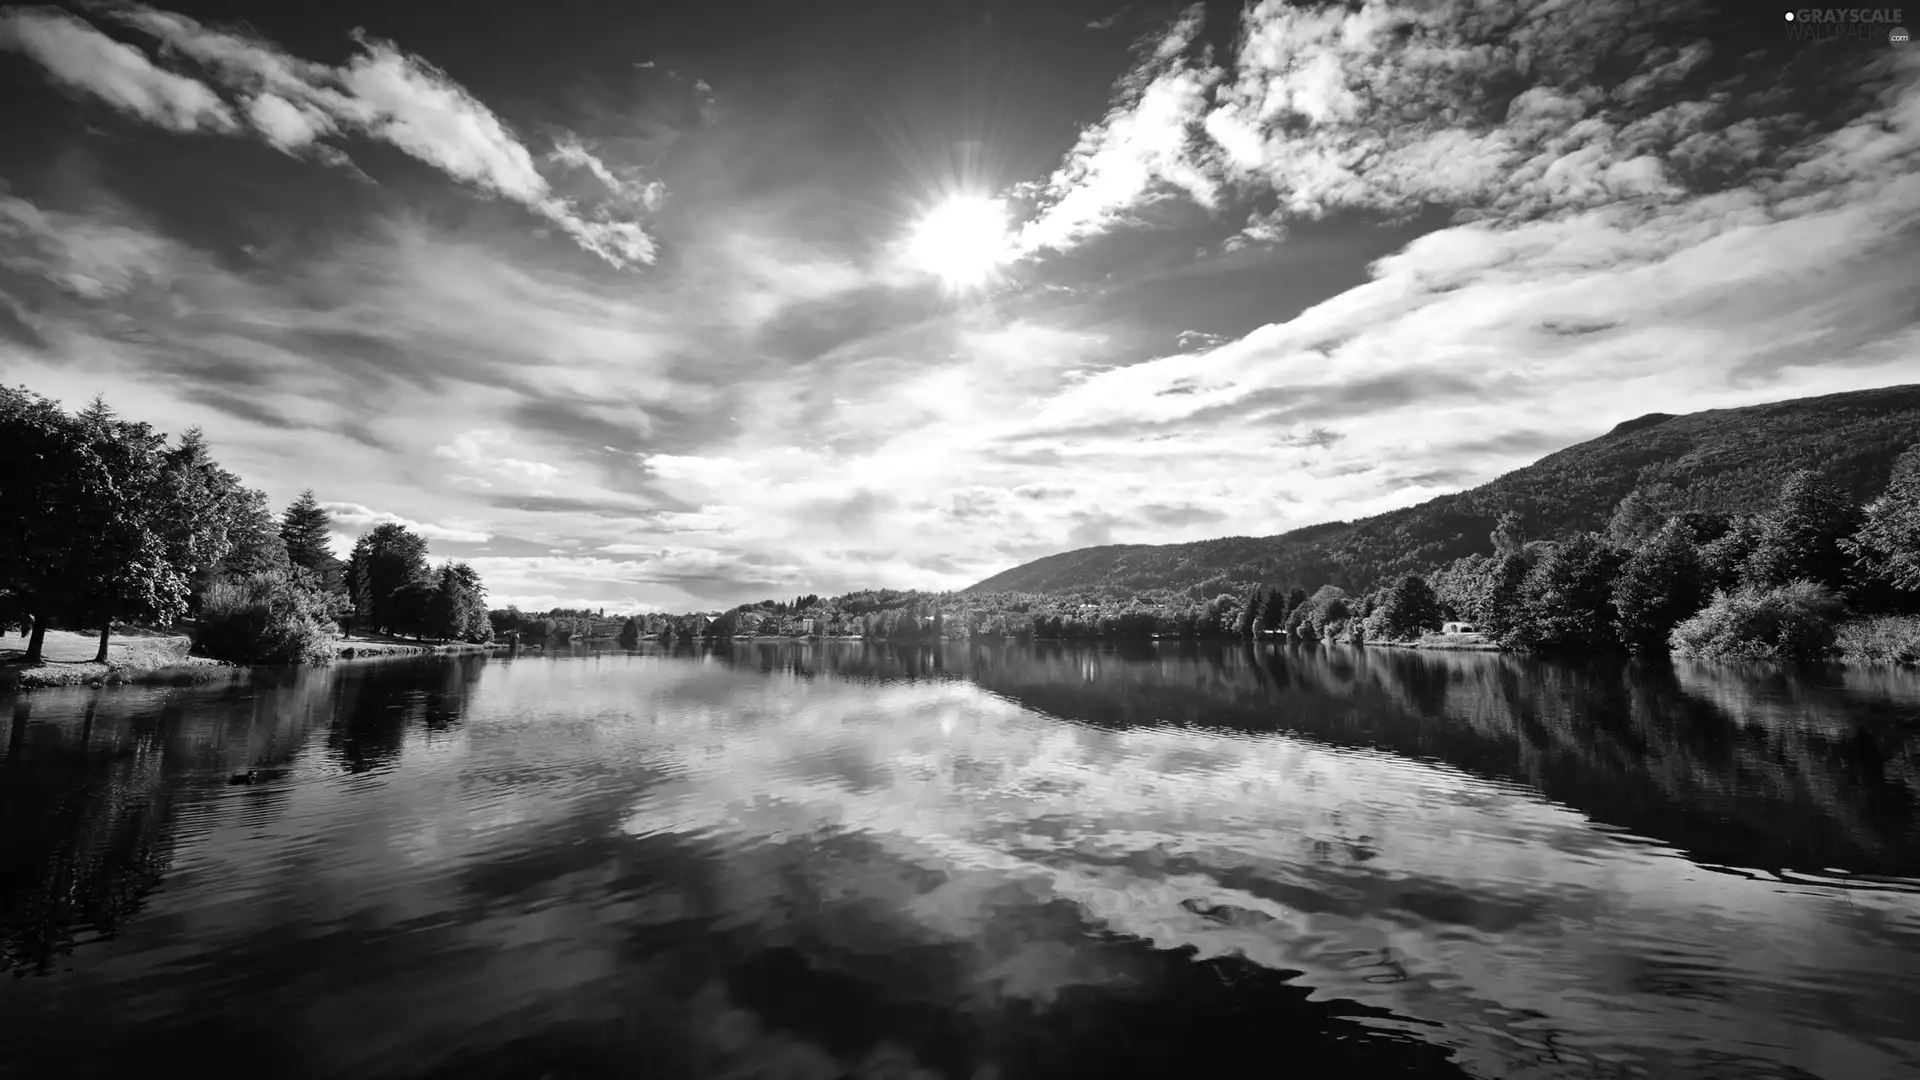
(948, 843)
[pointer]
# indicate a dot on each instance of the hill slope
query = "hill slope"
(1719, 460)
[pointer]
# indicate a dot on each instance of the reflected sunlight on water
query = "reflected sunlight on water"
(844, 860)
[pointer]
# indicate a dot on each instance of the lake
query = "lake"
(835, 859)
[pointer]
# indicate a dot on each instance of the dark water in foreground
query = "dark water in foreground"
(836, 860)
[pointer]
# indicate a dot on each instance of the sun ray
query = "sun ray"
(963, 240)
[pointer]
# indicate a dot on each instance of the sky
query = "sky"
(692, 305)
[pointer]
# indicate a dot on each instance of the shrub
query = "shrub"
(1880, 639)
(264, 618)
(1792, 622)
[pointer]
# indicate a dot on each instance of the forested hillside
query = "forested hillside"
(1723, 460)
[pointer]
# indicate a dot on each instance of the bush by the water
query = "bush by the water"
(1794, 621)
(1880, 639)
(265, 618)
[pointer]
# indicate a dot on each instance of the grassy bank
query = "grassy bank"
(132, 656)
(137, 655)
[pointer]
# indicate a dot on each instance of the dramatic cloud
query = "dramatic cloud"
(1466, 235)
(1390, 107)
(84, 59)
(1141, 149)
(381, 93)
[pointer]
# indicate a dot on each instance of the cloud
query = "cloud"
(1138, 152)
(361, 517)
(1390, 107)
(381, 93)
(771, 413)
(487, 452)
(82, 58)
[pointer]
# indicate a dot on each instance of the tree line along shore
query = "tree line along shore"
(1815, 576)
(109, 522)
(116, 524)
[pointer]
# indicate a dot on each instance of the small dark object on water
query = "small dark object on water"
(247, 777)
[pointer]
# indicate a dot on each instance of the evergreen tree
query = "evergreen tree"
(303, 529)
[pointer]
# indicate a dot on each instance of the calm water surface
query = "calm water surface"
(837, 860)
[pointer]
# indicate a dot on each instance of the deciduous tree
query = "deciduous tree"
(1801, 538)
(1566, 601)
(1660, 584)
(1886, 547)
(385, 559)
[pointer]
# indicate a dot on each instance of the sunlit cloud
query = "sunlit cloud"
(1200, 333)
(89, 62)
(381, 93)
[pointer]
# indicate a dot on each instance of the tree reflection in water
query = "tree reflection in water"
(837, 859)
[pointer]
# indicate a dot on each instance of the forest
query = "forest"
(1721, 461)
(109, 521)
(114, 522)
(1813, 574)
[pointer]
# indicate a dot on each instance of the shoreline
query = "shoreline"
(149, 659)
(137, 658)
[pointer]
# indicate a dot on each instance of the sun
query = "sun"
(963, 240)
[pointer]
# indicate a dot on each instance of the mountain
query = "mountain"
(1725, 460)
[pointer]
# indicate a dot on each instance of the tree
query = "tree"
(49, 475)
(1509, 534)
(1566, 601)
(1253, 612)
(1660, 584)
(254, 545)
(1496, 597)
(1801, 538)
(1408, 609)
(1886, 547)
(411, 607)
(1725, 557)
(478, 628)
(386, 559)
(1635, 519)
(452, 605)
(303, 529)
(143, 540)
(205, 510)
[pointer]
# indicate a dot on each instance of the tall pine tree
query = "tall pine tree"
(303, 528)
